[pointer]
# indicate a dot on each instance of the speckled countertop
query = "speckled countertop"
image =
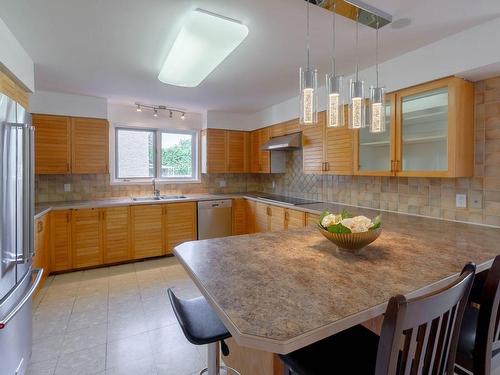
(282, 291)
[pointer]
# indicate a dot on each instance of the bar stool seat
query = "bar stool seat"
(202, 326)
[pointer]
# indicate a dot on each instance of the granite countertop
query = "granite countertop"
(281, 291)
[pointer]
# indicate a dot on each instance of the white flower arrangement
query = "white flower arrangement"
(346, 223)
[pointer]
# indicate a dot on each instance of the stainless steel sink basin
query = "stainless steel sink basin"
(159, 198)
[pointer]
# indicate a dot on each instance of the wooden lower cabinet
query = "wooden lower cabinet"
(276, 218)
(60, 241)
(86, 233)
(147, 233)
(261, 217)
(294, 219)
(250, 215)
(180, 224)
(42, 250)
(115, 233)
(239, 216)
(311, 220)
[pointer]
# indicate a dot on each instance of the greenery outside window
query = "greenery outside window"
(167, 155)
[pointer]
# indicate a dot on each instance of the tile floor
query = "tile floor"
(113, 321)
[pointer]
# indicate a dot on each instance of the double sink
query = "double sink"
(159, 198)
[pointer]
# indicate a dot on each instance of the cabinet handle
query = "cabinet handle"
(287, 216)
(392, 165)
(67, 167)
(40, 226)
(327, 166)
(269, 212)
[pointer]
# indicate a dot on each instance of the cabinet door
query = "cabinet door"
(294, 219)
(278, 130)
(251, 215)
(239, 216)
(264, 156)
(216, 151)
(60, 238)
(312, 146)
(375, 153)
(238, 152)
(147, 231)
(116, 234)
(292, 126)
(52, 144)
(89, 142)
(87, 238)
(261, 217)
(312, 220)
(255, 151)
(42, 255)
(339, 151)
(180, 223)
(277, 218)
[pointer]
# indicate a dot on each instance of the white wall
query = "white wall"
(229, 120)
(126, 115)
(56, 103)
(15, 59)
(470, 54)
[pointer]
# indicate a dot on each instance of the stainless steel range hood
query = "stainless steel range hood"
(284, 143)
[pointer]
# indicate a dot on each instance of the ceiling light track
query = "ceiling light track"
(358, 10)
(157, 108)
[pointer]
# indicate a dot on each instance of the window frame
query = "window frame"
(157, 135)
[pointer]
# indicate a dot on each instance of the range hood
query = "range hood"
(284, 143)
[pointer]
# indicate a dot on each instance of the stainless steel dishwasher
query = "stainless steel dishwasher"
(214, 218)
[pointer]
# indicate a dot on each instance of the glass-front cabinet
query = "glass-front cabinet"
(375, 152)
(429, 133)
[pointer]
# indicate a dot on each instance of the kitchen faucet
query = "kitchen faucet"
(156, 192)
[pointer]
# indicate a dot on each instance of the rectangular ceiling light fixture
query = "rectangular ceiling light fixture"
(204, 41)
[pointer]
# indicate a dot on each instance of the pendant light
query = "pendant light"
(308, 88)
(377, 105)
(334, 107)
(356, 91)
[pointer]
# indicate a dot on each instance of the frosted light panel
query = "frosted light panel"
(334, 108)
(203, 43)
(308, 106)
(308, 97)
(357, 111)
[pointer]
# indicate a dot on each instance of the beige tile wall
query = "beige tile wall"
(50, 188)
(424, 196)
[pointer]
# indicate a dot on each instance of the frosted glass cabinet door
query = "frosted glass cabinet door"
(375, 150)
(424, 128)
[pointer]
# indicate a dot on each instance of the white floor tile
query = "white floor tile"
(84, 362)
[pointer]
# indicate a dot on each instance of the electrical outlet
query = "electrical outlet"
(274, 184)
(67, 188)
(476, 200)
(461, 200)
(222, 183)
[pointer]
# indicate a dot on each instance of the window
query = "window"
(143, 154)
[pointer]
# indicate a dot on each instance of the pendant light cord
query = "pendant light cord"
(376, 51)
(357, 43)
(307, 34)
(334, 35)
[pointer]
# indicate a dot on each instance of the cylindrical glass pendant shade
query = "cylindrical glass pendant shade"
(356, 104)
(334, 105)
(377, 110)
(308, 96)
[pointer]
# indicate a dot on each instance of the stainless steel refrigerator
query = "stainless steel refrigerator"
(18, 280)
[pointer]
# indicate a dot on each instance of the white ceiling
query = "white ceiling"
(115, 48)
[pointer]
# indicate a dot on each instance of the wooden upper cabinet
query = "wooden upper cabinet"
(313, 151)
(89, 141)
(435, 129)
(52, 144)
(70, 145)
(60, 241)
(339, 151)
(115, 233)
(285, 128)
(239, 216)
(147, 234)
(260, 161)
(238, 151)
(214, 151)
(10, 88)
(87, 238)
(180, 224)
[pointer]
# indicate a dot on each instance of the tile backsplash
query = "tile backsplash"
(423, 196)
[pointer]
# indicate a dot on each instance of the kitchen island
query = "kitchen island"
(280, 291)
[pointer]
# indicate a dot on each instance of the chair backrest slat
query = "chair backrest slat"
(429, 326)
(488, 329)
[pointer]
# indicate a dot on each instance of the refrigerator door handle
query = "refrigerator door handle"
(28, 236)
(37, 273)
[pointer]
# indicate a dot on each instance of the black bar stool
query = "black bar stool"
(202, 326)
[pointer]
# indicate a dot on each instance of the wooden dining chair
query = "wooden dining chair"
(479, 344)
(419, 337)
